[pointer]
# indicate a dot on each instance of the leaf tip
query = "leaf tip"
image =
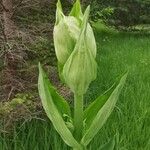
(40, 67)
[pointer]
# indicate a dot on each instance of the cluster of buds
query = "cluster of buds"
(75, 48)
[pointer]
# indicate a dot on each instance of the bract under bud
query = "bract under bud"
(65, 36)
(59, 12)
(76, 11)
(81, 68)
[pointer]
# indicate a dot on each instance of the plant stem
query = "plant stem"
(80, 149)
(78, 116)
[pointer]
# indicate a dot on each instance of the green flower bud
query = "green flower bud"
(81, 68)
(77, 13)
(65, 36)
(67, 30)
(75, 48)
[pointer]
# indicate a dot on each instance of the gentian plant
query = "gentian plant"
(75, 49)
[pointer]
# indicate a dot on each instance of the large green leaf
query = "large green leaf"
(61, 104)
(45, 91)
(103, 114)
(92, 110)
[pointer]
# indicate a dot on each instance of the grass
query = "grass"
(130, 120)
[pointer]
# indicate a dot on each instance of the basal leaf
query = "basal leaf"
(60, 102)
(103, 114)
(45, 91)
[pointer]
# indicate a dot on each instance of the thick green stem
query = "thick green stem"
(78, 116)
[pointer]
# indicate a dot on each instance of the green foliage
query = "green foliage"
(121, 13)
(76, 64)
(52, 110)
(58, 101)
(103, 113)
(19, 100)
(131, 116)
(92, 110)
(53, 105)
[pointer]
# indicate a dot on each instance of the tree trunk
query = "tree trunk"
(12, 53)
(9, 25)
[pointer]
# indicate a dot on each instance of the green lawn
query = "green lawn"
(117, 52)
